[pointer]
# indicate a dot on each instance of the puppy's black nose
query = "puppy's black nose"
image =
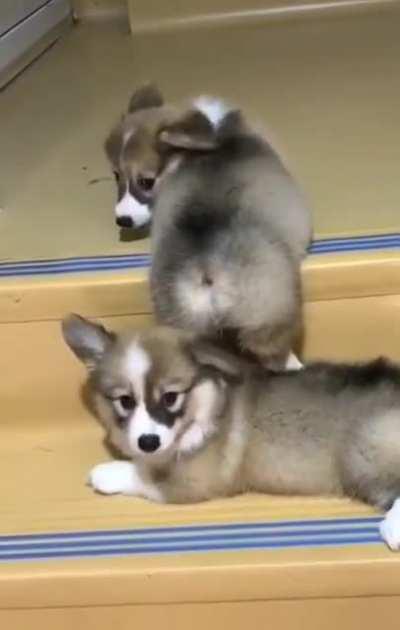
(124, 222)
(149, 442)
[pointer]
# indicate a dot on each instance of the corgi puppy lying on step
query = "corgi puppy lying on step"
(194, 422)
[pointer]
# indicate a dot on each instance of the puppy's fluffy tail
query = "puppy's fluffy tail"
(226, 120)
(214, 109)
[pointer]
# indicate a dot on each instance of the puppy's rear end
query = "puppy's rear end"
(229, 232)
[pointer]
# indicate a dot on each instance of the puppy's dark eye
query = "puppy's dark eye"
(117, 176)
(172, 401)
(127, 402)
(146, 183)
(170, 398)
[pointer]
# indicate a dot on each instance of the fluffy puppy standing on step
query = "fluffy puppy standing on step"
(197, 423)
(230, 229)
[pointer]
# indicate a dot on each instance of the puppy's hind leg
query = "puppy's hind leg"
(384, 497)
(293, 363)
(390, 527)
(272, 346)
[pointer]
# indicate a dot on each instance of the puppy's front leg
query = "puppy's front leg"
(123, 477)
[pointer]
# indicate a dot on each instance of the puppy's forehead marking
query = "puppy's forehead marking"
(136, 366)
(138, 361)
(128, 134)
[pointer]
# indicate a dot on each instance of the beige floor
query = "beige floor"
(328, 89)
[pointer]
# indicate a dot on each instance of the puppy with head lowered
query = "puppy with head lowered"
(138, 154)
(133, 152)
(196, 423)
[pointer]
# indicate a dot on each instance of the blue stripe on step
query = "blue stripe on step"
(135, 261)
(191, 539)
(177, 548)
(189, 529)
(171, 538)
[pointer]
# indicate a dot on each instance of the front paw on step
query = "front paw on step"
(112, 477)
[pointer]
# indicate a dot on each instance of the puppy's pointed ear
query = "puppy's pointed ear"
(88, 341)
(193, 132)
(208, 356)
(145, 97)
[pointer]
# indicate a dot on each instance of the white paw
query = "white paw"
(292, 363)
(192, 439)
(115, 477)
(390, 527)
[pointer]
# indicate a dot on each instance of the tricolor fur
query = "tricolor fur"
(197, 423)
